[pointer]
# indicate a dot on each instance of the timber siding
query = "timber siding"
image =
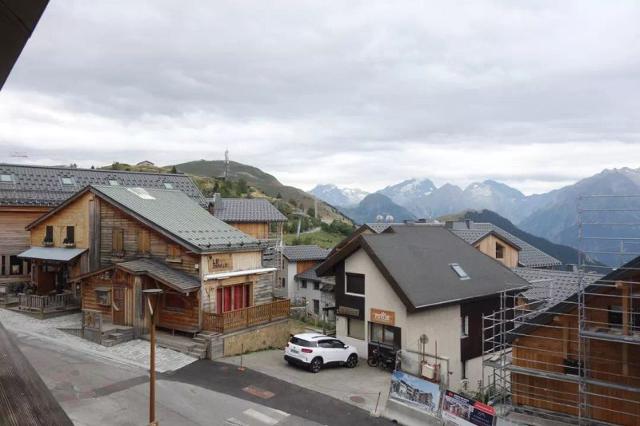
(112, 218)
(75, 214)
(263, 289)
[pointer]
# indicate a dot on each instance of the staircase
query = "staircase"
(215, 343)
(196, 347)
(116, 336)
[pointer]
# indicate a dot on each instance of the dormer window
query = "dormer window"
(499, 251)
(68, 181)
(168, 185)
(459, 271)
(6, 178)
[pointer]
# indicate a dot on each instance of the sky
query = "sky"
(359, 93)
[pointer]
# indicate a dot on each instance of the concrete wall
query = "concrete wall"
(288, 272)
(272, 335)
(324, 298)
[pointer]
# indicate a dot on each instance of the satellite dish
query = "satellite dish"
(379, 218)
(389, 219)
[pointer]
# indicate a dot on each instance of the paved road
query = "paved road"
(260, 388)
(99, 391)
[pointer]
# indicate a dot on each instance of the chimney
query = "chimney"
(212, 202)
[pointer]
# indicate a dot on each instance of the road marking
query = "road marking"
(260, 417)
(235, 422)
(260, 393)
(282, 413)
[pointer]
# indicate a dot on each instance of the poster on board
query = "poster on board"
(458, 410)
(415, 392)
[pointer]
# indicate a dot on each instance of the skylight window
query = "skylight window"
(113, 182)
(168, 185)
(142, 193)
(458, 270)
(67, 181)
(6, 178)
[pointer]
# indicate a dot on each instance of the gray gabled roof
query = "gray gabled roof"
(161, 272)
(311, 275)
(304, 252)
(246, 210)
(550, 286)
(43, 186)
(528, 256)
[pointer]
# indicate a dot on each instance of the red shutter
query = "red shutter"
(237, 297)
(227, 299)
(219, 300)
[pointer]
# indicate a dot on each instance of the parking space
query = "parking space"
(360, 386)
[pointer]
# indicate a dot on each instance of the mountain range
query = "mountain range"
(552, 215)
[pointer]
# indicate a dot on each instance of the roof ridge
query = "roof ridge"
(39, 166)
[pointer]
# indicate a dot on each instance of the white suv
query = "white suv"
(316, 350)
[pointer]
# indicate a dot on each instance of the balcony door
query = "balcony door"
(233, 297)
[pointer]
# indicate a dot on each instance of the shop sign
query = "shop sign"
(462, 411)
(383, 317)
(345, 310)
(219, 262)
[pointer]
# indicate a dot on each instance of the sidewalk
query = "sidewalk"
(133, 353)
(360, 386)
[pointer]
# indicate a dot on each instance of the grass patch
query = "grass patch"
(321, 238)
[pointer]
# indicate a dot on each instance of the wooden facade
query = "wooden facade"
(545, 362)
(499, 249)
(14, 239)
(258, 230)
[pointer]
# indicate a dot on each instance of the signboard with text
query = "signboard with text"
(380, 316)
(458, 410)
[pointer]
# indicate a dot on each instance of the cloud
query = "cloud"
(357, 93)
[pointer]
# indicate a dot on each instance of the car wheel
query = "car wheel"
(352, 361)
(316, 365)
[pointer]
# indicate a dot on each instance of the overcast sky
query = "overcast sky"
(362, 94)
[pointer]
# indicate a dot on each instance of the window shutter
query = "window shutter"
(143, 241)
(118, 240)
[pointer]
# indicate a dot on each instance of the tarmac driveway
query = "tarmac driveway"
(360, 386)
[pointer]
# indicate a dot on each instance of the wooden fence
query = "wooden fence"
(246, 317)
(42, 304)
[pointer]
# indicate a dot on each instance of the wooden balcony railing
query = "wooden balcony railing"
(246, 317)
(42, 304)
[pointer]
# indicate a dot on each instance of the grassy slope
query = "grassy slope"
(320, 238)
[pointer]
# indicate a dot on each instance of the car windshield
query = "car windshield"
(301, 342)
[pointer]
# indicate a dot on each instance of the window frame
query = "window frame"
(346, 284)
(303, 284)
(67, 181)
(70, 231)
(464, 326)
(117, 236)
(6, 178)
(349, 329)
(103, 292)
(48, 234)
(500, 249)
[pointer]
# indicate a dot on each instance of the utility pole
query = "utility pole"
(152, 295)
(226, 164)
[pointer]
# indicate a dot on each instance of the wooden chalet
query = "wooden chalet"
(126, 240)
(577, 360)
(28, 192)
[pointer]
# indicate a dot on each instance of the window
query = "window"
(48, 234)
(355, 284)
(615, 316)
(144, 244)
(303, 343)
(103, 296)
(303, 284)
(499, 251)
(282, 283)
(464, 326)
(168, 185)
(316, 306)
(15, 265)
(6, 178)
(71, 235)
(355, 328)
(458, 270)
(380, 333)
(327, 344)
(117, 238)
(173, 253)
(113, 182)
(337, 344)
(316, 286)
(67, 181)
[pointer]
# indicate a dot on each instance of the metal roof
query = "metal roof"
(175, 213)
(246, 210)
(528, 256)
(302, 252)
(49, 186)
(57, 254)
(175, 279)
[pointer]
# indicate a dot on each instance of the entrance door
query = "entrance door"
(118, 305)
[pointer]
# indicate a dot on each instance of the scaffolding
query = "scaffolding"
(574, 359)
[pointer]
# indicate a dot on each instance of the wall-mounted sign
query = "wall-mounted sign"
(345, 310)
(383, 317)
(219, 262)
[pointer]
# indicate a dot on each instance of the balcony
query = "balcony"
(246, 317)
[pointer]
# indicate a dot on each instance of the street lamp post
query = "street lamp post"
(152, 303)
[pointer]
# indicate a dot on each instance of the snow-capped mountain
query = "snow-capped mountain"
(342, 197)
(411, 194)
